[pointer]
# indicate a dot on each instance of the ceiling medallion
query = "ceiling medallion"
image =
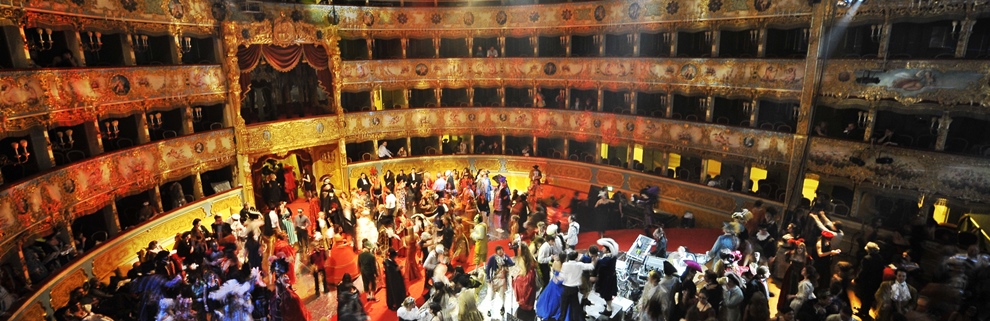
(501, 18)
(600, 13)
(634, 9)
(468, 18)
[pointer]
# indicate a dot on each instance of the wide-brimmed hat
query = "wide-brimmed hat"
(552, 230)
(737, 278)
(668, 268)
(609, 243)
(828, 234)
(872, 247)
(693, 265)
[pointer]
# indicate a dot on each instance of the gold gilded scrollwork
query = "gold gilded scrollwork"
(60, 292)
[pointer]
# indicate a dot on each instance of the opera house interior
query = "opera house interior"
(126, 120)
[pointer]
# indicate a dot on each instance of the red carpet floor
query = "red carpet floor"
(344, 260)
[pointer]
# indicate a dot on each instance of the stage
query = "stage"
(344, 260)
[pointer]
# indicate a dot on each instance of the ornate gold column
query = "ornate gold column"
(405, 44)
(598, 152)
(503, 144)
(754, 112)
(501, 50)
(374, 145)
(20, 261)
(965, 31)
(812, 68)
(501, 96)
(884, 38)
(49, 152)
(671, 38)
(409, 146)
(95, 137)
(634, 39)
(74, 42)
(747, 169)
(871, 116)
(440, 142)
(535, 142)
(567, 96)
(943, 131)
(567, 148)
(665, 162)
(669, 104)
(438, 94)
(857, 198)
(761, 42)
(600, 40)
(704, 171)
(629, 155)
(436, 45)
(709, 108)
(631, 99)
(598, 99)
(371, 46)
(470, 46)
(713, 39)
(565, 41)
(198, 185)
(187, 120)
(470, 144)
(534, 41)
(156, 198)
(470, 93)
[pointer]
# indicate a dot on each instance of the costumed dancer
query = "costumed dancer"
(497, 274)
(525, 284)
(286, 251)
(548, 303)
(286, 305)
(395, 285)
(409, 311)
(235, 298)
(317, 261)
(725, 242)
(573, 228)
(480, 236)
(411, 270)
(606, 283)
(349, 306)
(433, 259)
(368, 265)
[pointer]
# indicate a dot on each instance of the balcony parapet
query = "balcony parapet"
(908, 9)
(748, 143)
(61, 195)
(931, 173)
(68, 97)
(120, 251)
(545, 19)
(198, 17)
(711, 205)
(947, 82)
(781, 78)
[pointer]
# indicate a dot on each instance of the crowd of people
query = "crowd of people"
(418, 225)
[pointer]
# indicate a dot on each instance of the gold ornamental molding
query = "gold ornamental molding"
(931, 173)
(907, 10)
(945, 82)
(198, 17)
(780, 78)
(71, 96)
(61, 195)
(579, 18)
(724, 141)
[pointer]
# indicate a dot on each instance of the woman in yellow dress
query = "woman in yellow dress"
(480, 236)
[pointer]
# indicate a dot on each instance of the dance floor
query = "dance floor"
(344, 260)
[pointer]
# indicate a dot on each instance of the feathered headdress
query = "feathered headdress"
(609, 243)
(795, 242)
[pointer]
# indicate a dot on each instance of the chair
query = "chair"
(463, 104)
(365, 108)
(767, 126)
(722, 120)
(676, 116)
(169, 134)
(905, 140)
(589, 158)
(744, 123)
(431, 150)
(573, 157)
(509, 151)
(124, 142)
(496, 104)
(691, 117)
(557, 155)
(781, 195)
(75, 155)
(366, 156)
(431, 105)
(99, 237)
(841, 209)
(215, 126)
(658, 113)
(785, 128)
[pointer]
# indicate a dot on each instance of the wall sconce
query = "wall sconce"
(155, 121)
(186, 44)
(875, 32)
(667, 37)
(796, 111)
(955, 32)
(627, 97)
(709, 36)
(754, 35)
(197, 114)
(65, 140)
(864, 118)
(663, 101)
(931, 129)
(21, 153)
(747, 107)
(41, 44)
(112, 132)
(92, 44)
(139, 42)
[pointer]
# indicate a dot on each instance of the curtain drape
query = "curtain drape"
(284, 59)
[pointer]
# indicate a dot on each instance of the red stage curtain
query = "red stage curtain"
(284, 59)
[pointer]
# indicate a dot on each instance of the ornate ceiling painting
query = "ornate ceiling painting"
(60, 196)
(965, 178)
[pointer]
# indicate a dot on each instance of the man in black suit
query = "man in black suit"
(221, 229)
